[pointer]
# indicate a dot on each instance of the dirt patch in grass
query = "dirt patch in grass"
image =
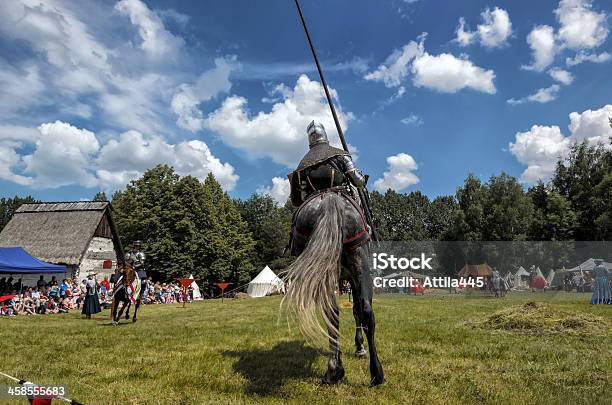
(538, 318)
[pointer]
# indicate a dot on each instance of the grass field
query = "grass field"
(235, 352)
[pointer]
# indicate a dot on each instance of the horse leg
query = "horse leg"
(335, 371)
(136, 306)
(114, 310)
(120, 312)
(127, 313)
(360, 350)
(368, 320)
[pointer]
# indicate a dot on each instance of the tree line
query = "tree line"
(192, 227)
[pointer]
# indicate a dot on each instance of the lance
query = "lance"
(363, 193)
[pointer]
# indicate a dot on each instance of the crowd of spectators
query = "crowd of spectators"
(54, 297)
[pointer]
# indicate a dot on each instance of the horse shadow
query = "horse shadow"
(267, 371)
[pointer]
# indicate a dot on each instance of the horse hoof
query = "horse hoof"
(361, 353)
(377, 380)
(115, 323)
(334, 377)
(134, 320)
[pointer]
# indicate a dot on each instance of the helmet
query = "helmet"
(137, 243)
(316, 134)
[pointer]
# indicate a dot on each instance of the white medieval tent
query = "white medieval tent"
(550, 277)
(266, 282)
(509, 279)
(521, 278)
(197, 295)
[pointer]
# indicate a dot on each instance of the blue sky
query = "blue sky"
(94, 93)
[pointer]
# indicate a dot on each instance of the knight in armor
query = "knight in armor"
(323, 167)
(137, 259)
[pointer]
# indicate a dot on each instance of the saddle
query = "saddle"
(352, 242)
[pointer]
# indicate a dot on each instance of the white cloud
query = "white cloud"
(580, 29)
(20, 88)
(279, 191)
(9, 159)
(580, 26)
(543, 95)
(395, 68)
(562, 76)
(412, 119)
(399, 175)
(582, 57)
(541, 147)
(541, 40)
(592, 125)
(494, 31)
(496, 27)
(129, 156)
(464, 37)
(281, 133)
(449, 74)
(62, 156)
(156, 40)
(445, 72)
(210, 83)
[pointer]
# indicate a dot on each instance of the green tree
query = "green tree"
(507, 210)
(577, 178)
(270, 226)
(8, 206)
(553, 217)
(100, 196)
(187, 227)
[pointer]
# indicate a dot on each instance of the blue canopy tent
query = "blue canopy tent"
(15, 260)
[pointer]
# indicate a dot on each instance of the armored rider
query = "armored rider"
(137, 259)
(323, 167)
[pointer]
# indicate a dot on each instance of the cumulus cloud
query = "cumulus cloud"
(279, 191)
(127, 157)
(539, 149)
(445, 72)
(449, 74)
(542, 146)
(580, 26)
(541, 40)
(399, 174)
(66, 155)
(542, 96)
(156, 40)
(562, 76)
(189, 96)
(279, 134)
(582, 57)
(62, 156)
(580, 29)
(395, 68)
(464, 36)
(494, 31)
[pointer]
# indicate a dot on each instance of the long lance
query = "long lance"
(363, 193)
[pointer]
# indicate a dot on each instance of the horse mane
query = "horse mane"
(129, 273)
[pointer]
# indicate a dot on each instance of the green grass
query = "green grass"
(235, 352)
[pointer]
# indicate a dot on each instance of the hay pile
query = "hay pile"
(538, 318)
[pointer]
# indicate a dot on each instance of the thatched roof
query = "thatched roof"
(59, 232)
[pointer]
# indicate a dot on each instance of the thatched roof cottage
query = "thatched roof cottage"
(80, 235)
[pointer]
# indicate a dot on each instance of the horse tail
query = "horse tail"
(314, 276)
